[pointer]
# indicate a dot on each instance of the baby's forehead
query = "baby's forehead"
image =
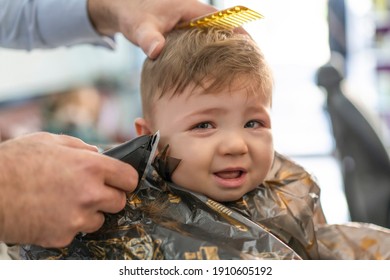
(198, 97)
(207, 102)
(243, 85)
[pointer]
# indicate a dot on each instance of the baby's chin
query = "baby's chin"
(228, 197)
(231, 196)
(218, 194)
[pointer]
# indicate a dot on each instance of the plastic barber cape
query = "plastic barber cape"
(280, 219)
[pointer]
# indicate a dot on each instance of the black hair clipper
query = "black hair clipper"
(138, 152)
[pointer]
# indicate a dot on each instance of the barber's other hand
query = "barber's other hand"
(54, 186)
(144, 22)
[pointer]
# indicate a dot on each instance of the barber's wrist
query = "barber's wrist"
(102, 18)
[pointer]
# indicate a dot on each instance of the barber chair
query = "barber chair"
(364, 159)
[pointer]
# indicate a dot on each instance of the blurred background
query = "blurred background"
(92, 93)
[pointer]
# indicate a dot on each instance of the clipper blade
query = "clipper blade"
(229, 18)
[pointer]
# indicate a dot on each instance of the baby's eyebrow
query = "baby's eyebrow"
(206, 111)
(254, 109)
(196, 115)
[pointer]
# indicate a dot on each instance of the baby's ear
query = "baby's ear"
(142, 127)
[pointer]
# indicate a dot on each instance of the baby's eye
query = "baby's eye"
(203, 125)
(253, 124)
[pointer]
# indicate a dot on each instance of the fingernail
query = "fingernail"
(152, 48)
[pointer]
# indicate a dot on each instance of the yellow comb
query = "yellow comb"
(229, 18)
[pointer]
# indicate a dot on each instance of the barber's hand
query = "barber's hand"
(54, 186)
(144, 22)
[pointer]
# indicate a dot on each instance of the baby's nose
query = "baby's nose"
(233, 144)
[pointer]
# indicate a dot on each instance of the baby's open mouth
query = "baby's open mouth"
(229, 174)
(231, 177)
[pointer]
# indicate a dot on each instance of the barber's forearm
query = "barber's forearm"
(71, 23)
(29, 24)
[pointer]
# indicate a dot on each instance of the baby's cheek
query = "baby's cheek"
(186, 175)
(178, 178)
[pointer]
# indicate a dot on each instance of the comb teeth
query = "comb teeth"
(229, 18)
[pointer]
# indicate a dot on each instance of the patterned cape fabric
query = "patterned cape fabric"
(280, 219)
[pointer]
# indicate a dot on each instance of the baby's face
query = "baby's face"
(224, 140)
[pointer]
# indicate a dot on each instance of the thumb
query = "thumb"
(149, 39)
